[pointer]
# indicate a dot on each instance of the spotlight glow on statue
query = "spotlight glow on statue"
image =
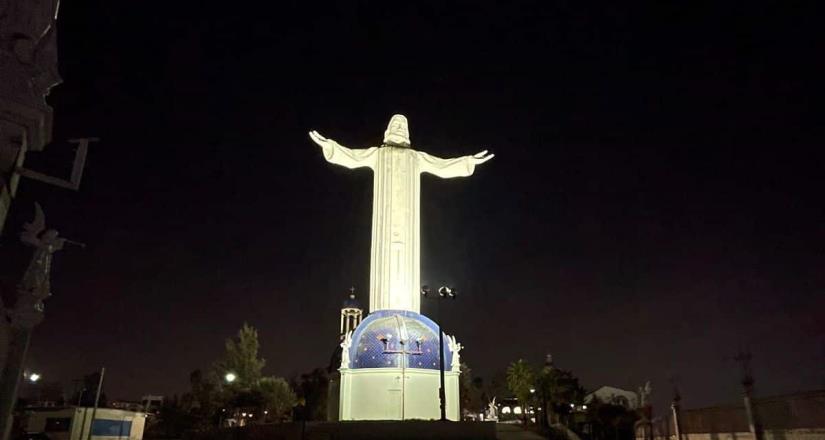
(395, 258)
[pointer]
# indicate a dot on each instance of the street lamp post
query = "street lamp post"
(229, 378)
(443, 292)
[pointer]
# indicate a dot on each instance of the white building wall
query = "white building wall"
(396, 394)
(608, 394)
(81, 421)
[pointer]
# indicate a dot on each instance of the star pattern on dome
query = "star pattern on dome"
(396, 338)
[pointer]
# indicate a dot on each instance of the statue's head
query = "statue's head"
(398, 133)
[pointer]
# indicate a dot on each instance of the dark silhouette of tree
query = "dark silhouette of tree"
(85, 394)
(520, 379)
(213, 399)
(269, 398)
(610, 422)
(557, 389)
(312, 389)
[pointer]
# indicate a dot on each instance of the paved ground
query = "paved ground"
(514, 432)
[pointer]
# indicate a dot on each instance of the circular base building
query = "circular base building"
(390, 369)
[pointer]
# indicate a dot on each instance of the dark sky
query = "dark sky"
(655, 203)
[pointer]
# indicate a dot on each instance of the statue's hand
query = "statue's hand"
(480, 158)
(328, 145)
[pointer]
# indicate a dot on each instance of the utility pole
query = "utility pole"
(443, 293)
(675, 408)
(97, 401)
(744, 359)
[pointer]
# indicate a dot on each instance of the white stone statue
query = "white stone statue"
(644, 394)
(345, 344)
(455, 347)
(492, 411)
(395, 255)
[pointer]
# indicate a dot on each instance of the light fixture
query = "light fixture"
(230, 377)
(34, 377)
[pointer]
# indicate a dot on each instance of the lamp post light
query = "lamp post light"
(230, 377)
(443, 292)
(34, 377)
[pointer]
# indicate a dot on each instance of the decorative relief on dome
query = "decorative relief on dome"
(396, 339)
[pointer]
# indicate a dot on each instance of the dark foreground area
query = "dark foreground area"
(402, 430)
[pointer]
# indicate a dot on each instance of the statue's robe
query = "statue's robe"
(395, 257)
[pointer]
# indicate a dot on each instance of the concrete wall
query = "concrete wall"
(374, 430)
(798, 416)
(788, 434)
(396, 394)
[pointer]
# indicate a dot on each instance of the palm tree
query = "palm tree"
(520, 378)
(558, 389)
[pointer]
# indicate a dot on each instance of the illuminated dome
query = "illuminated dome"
(397, 339)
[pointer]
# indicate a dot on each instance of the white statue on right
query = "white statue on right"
(492, 411)
(345, 344)
(455, 348)
(644, 394)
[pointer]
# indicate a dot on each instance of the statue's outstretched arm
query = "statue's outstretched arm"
(341, 155)
(449, 168)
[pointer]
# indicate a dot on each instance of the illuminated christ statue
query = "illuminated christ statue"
(395, 257)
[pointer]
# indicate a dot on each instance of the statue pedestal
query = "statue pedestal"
(396, 394)
(390, 370)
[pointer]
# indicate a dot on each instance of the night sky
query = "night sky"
(655, 203)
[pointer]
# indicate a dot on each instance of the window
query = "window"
(58, 424)
(112, 428)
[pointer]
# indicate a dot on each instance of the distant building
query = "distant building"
(614, 396)
(151, 403)
(76, 422)
(128, 405)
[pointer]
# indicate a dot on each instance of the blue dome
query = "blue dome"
(351, 303)
(396, 339)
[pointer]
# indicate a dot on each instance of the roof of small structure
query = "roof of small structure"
(351, 303)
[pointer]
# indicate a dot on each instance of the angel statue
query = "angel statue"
(35, 286)
(345, 349)
(455, 347)
(492, 411)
